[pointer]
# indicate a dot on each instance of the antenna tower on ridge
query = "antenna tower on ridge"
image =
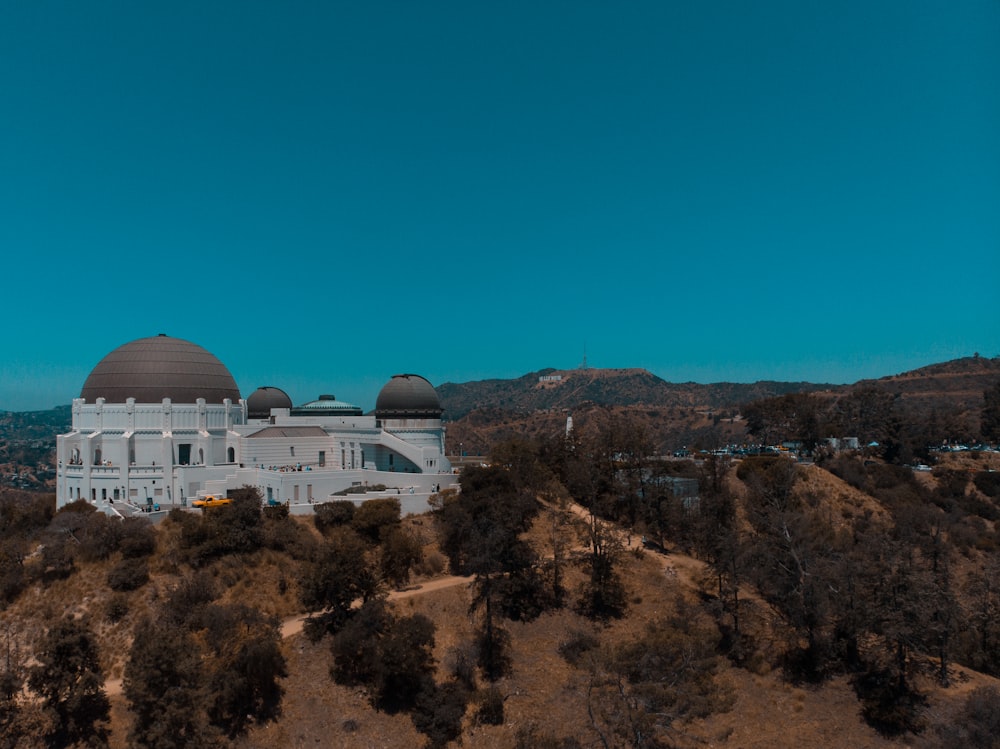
(584, 364)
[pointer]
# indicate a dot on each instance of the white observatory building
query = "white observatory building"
(160, 421)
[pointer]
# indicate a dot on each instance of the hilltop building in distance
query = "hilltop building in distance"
(160, 422)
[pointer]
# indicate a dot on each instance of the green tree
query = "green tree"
(138, 538)
(332, 514)
(990, 420)
(375, 517)
(12, 570)
(787, 555)
(164, 687)
(718, 539)
(400, 551)
(69, 681)
(898, 616)
(521, 457)
(392, 657)
(438, 712)
(481, 533)
(340, 574)
(982, 631)
(244, 666)
(603, 594)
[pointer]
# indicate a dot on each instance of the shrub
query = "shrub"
(23, 514)
(988, 482)
(401, 551)
(431, 564)
(375, 517)
(439, 711)
(490, 710)
(332, 514)
(12, 577)
(99, 536)
(138, 538)
(284, 533)
(529, 737)
(494, 653)
(117, 608)
(978, 725)
(128, 574)
(577, 645)
(888, 707)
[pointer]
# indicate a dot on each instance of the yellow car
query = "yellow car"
(211, 501)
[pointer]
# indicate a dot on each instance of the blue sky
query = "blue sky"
(326, 194)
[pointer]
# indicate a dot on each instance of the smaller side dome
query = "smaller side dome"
(408, 396)
(263, 399)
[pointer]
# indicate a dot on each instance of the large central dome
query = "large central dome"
(151, 369)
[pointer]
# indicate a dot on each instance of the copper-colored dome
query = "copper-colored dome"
(151, 369)
(263, 399)
(408, 396)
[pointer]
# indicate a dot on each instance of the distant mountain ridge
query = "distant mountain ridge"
(946, 397)
(959, 382)
(549, 389)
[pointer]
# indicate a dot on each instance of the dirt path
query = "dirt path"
(293, 626)
(686, 569)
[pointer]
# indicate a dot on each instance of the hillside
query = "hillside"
(944, 399)
(27, 447)
(552, 690)
(569, 388)
(955, 387)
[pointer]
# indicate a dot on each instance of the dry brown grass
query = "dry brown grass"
(544, 693)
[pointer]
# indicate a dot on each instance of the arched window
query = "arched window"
(231, 455)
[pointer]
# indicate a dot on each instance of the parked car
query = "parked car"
(211, 500)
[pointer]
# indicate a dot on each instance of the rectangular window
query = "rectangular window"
(322, 458)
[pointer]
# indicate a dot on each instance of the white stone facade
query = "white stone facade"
(165, 454)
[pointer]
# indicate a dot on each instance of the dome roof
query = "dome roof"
(151, 369)
(408, 396)
(263, 399)
(327, 405)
